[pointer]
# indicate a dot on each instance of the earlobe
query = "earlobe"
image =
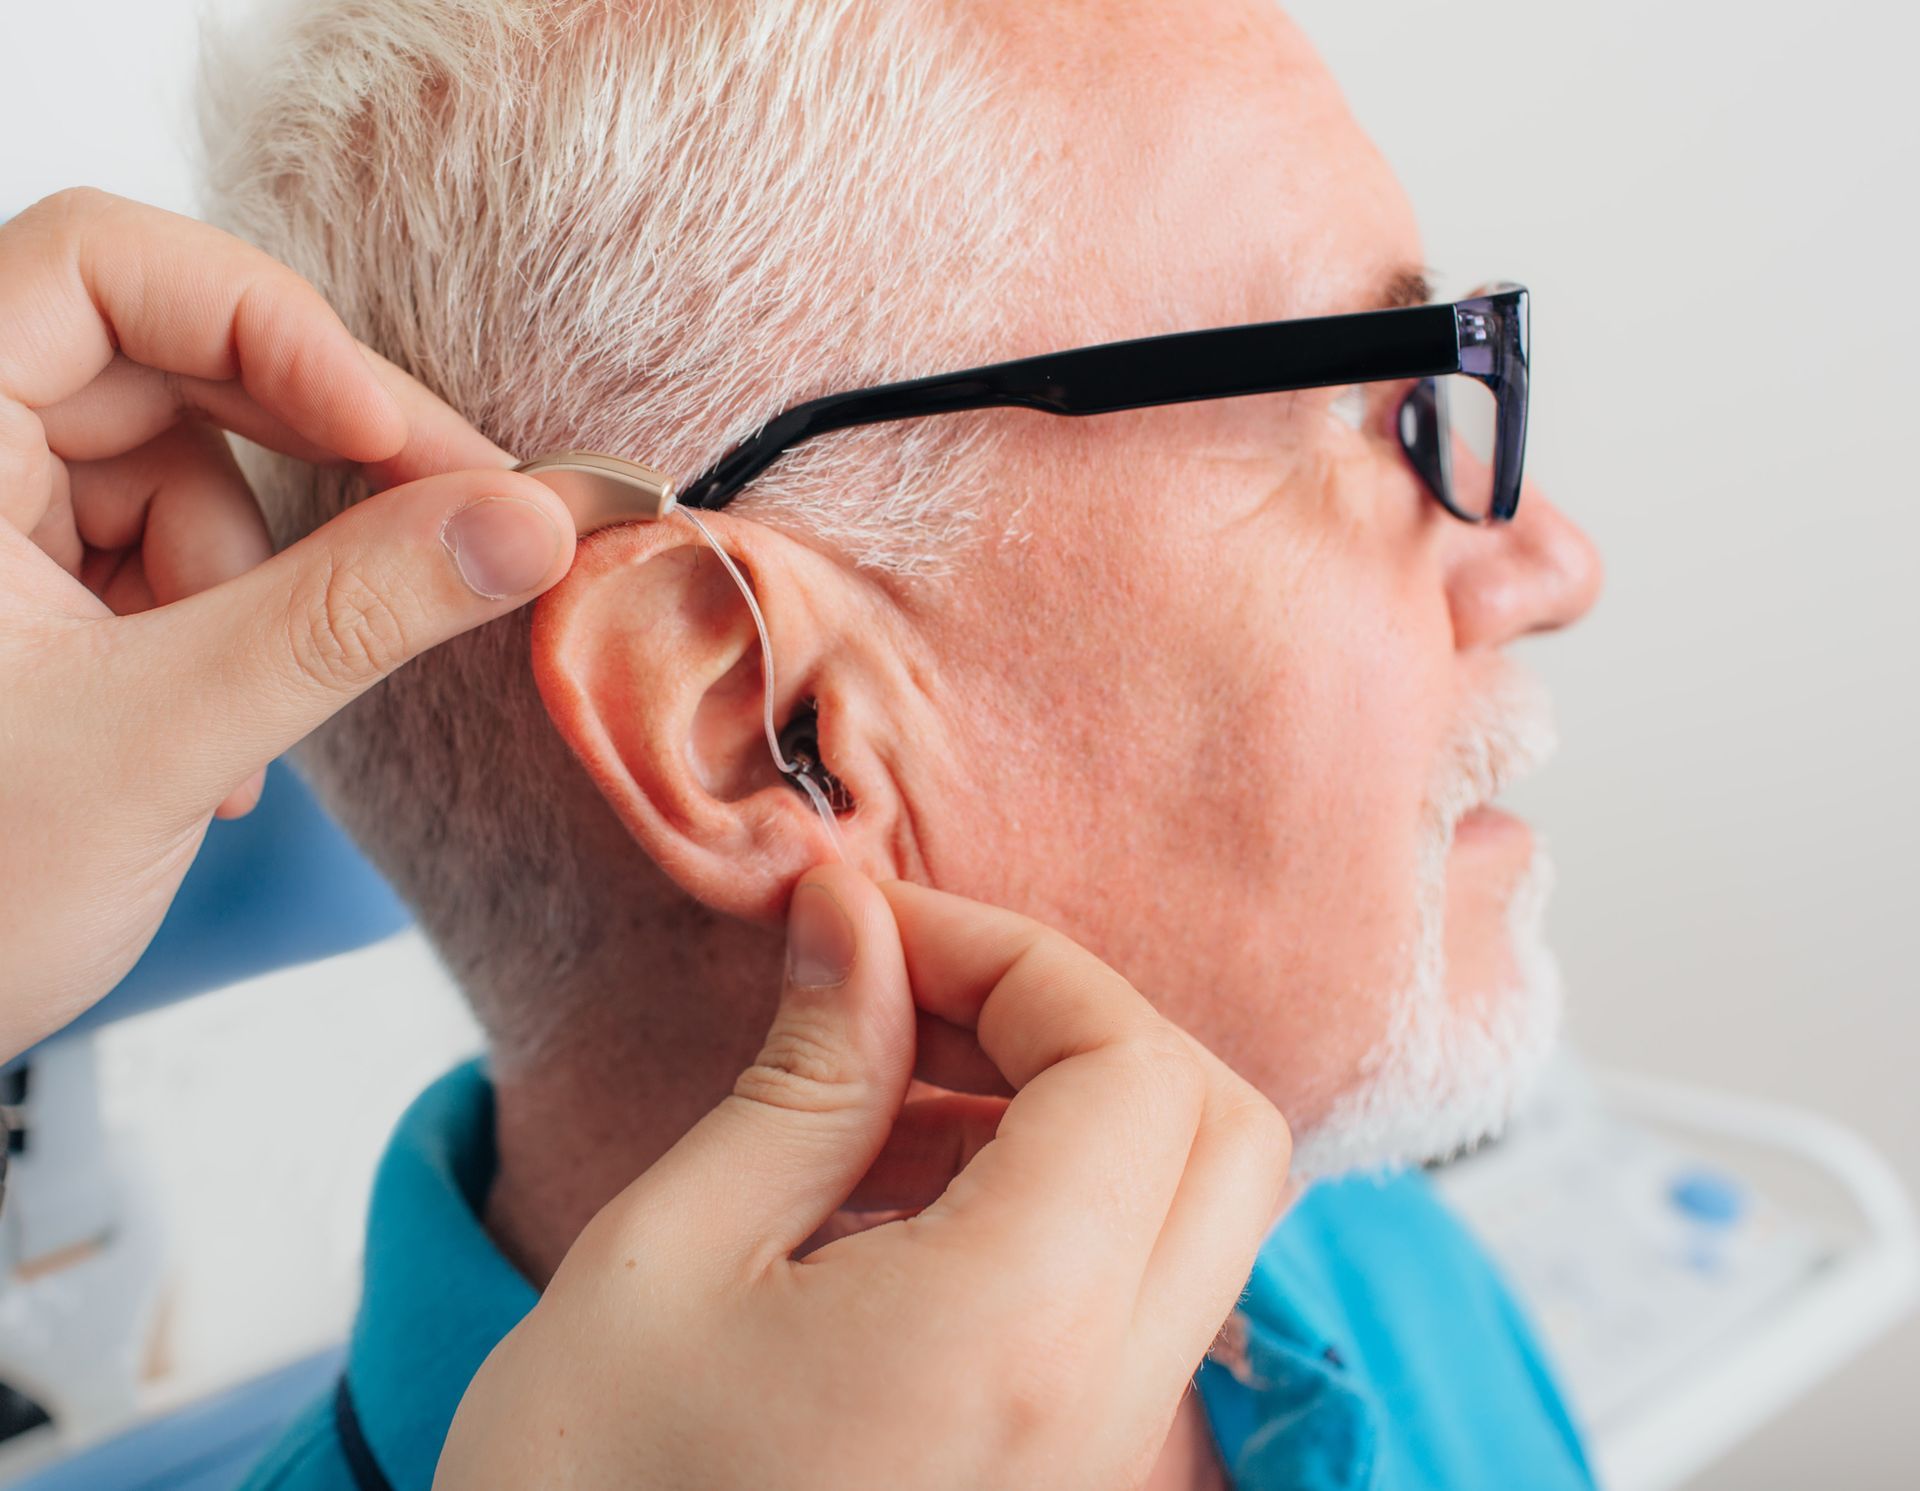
(649, 664)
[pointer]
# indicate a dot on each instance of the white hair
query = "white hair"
(635, 227)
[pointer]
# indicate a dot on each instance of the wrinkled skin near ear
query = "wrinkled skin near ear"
(649, 663)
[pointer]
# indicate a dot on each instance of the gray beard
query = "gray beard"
(1448, 1073)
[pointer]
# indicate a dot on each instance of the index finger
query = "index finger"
(1033, 996)
(127, 405)
(84, 274)
(1109, 1094)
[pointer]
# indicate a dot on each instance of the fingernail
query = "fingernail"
(502, 546)
(819, 940)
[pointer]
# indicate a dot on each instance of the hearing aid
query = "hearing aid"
(601, 490)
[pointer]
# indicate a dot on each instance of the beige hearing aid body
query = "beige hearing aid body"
(603, 490)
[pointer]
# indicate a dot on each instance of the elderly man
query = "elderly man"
(1216, 685)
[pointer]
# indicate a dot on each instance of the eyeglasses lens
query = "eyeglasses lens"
(1448, 425)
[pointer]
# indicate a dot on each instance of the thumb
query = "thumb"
(755, 1178)
(254, 664)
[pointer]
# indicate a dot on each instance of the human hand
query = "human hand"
(153, 655)
(1035, 1323)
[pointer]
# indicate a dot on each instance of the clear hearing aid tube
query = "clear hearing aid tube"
(791, 768)
(600, 490)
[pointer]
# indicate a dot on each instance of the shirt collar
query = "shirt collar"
(438, 1294)
(1285, 1414)
(1284, 1409)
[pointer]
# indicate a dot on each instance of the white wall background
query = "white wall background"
(1713, 204)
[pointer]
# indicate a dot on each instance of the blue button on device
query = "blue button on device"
(1709, 1196)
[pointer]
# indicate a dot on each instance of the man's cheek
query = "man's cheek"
(1479, 934)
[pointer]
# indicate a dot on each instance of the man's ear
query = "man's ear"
(649, 663)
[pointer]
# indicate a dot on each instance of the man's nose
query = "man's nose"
(1534, 574)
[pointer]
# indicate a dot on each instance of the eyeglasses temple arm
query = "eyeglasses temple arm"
(1228, 362)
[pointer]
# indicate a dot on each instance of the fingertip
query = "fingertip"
(244, 798)
(822, 944)
(835, 879)
(437, 437)
(907, 897)
(384, 422)
(856, 895)
(876, 961)
(896, 891)
(902, 899)
(297, 358)
(384, 427)
(512, 540)
(364, 426)
(526, 489)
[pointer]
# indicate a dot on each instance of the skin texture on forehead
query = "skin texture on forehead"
(1205, 168)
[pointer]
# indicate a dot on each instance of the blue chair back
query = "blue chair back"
(210, 1445)
(280, 887)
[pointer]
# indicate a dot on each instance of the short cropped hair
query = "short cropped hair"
(636, 227)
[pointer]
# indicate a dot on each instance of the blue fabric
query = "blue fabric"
(281, 886)
(1374, 1347)
(206, 1446)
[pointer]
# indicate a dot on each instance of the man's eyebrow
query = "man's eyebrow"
(1405, 287)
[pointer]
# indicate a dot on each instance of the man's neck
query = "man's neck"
(576, 1126)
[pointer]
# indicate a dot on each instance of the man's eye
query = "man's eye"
(1349, 406)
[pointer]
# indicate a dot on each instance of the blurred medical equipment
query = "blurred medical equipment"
(1695, 1261)
(83, 1252)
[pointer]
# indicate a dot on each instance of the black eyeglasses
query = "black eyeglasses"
(1463, 424)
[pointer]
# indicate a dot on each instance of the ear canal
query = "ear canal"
(800, 743)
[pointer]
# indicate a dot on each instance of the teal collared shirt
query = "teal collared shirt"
(1374, 1347)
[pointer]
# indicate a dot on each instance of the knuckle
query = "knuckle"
(83, 198)
(621, 1242)
(800, 1069)
(70, 206)
(1166, 1065)
(1051, 957)
(1040, 1383)
(1030, 1402)
(1248, 1121)
(28, 468)
(64, 221)
(343, 631)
